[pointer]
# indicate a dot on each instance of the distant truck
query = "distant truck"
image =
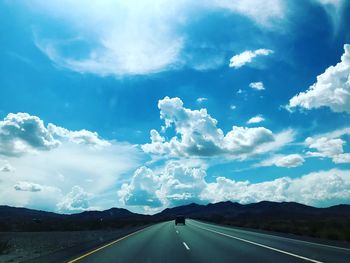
(180, 220)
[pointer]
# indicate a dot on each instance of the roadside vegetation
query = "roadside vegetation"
(4, 247)
(325, 228)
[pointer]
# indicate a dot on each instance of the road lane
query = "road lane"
(209, 247)
(154, 244)
(202, 242)
(315, 251)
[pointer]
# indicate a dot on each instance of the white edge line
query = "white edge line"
(293, 239)
(187, 247)
(260, 245)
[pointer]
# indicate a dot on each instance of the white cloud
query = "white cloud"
(233, 107)
(76, 200)
(174, 184)
(247, 57)
(257, 85)
(324, 188)
(200, 100)
(122, 37)
(27, 186)
(21, 133)
(291, 160)
(79, 137)
(177, 183)
(334, 9)
(95, 170)
(137, 37)
(117, 37)
(55, 159)
(256, 119)
(246, 140)
(142, 190)
(262, 12)
(27, 194)
(197, 134)
(332, 88)
(342, 158)
(7, 168)
(328, 147)
(336, 133)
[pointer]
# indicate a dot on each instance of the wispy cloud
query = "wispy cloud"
(50, 160)
(138, 37)
(289, 161)
(200, 100)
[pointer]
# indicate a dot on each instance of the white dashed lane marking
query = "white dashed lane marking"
(187, 247)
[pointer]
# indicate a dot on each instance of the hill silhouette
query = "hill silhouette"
(287, 217)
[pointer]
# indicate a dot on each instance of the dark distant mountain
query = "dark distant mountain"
(285, 217)
(261, 215)
(112, 213)
(20, 212)
(23, 219)
(264, 209)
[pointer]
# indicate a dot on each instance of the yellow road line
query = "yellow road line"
(107, 245)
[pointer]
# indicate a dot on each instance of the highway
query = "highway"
(203, 242)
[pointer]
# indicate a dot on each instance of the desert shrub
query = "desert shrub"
(4, 246)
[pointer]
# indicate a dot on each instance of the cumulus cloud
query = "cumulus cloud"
(289, 161)
(327, 147)
(171, 186)
(95, 169)
(257, 85)
(197, 134)
(255, 119)
(21, 133)
(247, 57)
(27, 186)
(324, 188)
(142, 189)
(76, 200)
(332, 88)
(56, 159)
(177, 184)
(342, 158)
(79, 137)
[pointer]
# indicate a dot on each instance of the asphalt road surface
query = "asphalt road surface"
(203, 242)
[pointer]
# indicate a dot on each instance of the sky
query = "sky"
(153, 104)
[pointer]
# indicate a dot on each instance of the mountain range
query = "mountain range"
(255, 215)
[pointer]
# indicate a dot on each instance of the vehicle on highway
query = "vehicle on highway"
(180, 220)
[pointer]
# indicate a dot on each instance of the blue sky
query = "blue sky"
(152, 104)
